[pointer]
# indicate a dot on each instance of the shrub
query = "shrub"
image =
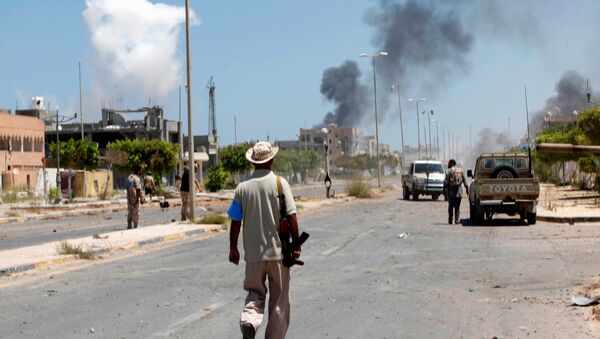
(219, 219)
(357, 187)
(64, 248)
(216, 178)
(53, 193)
(10, 197)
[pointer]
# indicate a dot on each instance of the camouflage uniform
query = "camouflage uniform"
(133, 201)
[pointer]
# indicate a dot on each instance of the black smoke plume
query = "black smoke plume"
(426, 44)
(341, 85)
(571, 95)
(421, 38)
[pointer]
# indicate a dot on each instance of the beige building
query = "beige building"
(21, 149)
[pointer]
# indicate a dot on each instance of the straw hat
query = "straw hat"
(261, 152)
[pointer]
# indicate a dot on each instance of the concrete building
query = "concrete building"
(340, 141)
(113, 126)
(370, 147)
(21, 149)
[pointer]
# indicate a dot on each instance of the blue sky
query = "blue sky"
(268, 57)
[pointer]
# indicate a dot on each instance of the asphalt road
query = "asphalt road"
(16, 235)
(383, 268)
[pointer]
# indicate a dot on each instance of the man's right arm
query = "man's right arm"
(234, 233)
(236, 214)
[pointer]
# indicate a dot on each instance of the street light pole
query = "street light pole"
(192, 175)
(444, 141)
(376, 119)
(418, 124)
(397, 88)
(58, 179)
(430, 142)
(80, 103)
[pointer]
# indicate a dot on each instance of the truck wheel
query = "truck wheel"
(505, 172)
(435, 197)
(415, 195)
(531, 218)
(405, 193)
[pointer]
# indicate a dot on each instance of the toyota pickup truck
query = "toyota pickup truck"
(503, 183)
(425, 177)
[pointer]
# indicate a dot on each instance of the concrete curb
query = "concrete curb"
(5, 271)
(567, 220)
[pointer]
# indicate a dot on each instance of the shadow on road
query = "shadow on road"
(495, 223)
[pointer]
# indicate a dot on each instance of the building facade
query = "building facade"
(21, 150)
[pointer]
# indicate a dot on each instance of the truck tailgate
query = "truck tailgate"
(514, 189)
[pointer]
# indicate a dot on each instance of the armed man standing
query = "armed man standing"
(455, 178)
(256, 206)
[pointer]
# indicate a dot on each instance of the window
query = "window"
(4, 144)
(27, 145)
(429, 168)
(488, 164)
(520, 162)
(17, 144)
(505, 162)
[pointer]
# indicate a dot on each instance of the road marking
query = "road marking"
(188, 320)
(336, 248)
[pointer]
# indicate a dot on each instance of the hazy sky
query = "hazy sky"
(268, 58)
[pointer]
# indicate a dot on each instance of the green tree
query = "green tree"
(589, 122)
(283, 162)
(233, 158)
(78, 154)
(158, 156)
(306, 163)
(216, 178)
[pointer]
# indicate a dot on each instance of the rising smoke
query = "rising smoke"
(425, 39)
(341, 85)
(135, 44)
(571, 95)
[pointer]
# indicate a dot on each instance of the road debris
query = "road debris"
(98, 236)
(583, 300)
(403, 235)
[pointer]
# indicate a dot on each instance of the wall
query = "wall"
(21, 149)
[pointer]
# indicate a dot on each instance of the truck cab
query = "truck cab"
(425, 177)
(503, 183)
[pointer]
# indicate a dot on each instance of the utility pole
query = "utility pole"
(180, 128)
(192, 175)
(444, 141)
(437, 137)
(430, 142)
(397, 88)
(80, 103)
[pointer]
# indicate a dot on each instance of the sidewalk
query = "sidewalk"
(567, 205)
(45, 255)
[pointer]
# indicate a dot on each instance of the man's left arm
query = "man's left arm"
(465, 183)
(294, 231)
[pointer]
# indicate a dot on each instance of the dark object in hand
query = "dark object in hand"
(164, 204)
(288, 246)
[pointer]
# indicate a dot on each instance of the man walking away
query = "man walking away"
(149, 185)
(256, 206)
(184, 189)
(134, 197)
(455, 178)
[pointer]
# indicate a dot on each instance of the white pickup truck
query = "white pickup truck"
(425, 177)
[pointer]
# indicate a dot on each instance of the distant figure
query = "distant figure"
(256, 210)
(184, 189)
(134, 198)
(149, 185)
(455, 178)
